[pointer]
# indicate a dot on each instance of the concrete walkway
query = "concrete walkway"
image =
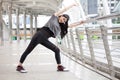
(41, 65)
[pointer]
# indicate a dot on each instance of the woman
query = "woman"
(56, 25)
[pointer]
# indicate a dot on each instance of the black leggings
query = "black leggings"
(42, 37)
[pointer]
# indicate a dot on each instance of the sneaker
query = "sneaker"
(61, 68)
(21, 69)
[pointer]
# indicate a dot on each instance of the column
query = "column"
(1, 26)
(35, 23)
(17, 24)
(25, 34)
(31, 25)
(10, 22)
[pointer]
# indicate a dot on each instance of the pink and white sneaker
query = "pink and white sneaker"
(62, 68)
(21, 69)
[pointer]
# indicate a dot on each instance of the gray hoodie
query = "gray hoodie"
(53, 25)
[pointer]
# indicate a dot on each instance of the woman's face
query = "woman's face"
(62, 19)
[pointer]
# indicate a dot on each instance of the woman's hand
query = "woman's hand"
(75, 4)
(82, 22)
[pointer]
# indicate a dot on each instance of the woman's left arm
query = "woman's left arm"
(76, 24)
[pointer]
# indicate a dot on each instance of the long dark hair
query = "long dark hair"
(64, 26)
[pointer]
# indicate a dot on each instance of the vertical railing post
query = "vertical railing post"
(73, 44)
(68, 42)
(80, 45)
(64, 42)
(88, 33)
(107, 50)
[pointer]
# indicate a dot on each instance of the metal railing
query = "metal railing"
(98, 47)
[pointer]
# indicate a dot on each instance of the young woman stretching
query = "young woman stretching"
(57, 25)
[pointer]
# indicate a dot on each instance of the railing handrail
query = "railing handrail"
(111, 16)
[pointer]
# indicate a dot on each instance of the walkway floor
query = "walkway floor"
(40, 64)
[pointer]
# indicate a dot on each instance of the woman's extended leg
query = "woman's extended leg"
(54, 48)
(30, 47)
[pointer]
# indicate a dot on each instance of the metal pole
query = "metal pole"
(35, 23)
(10, 22)
(73, 44)
(68, 42)
(65, 43)
(31, 24)
(1, 26)
(107, 50)
(80, 45)
(25, 34)
(88, 33)
(18, 30)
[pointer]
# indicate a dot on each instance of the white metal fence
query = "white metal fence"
(98, 47)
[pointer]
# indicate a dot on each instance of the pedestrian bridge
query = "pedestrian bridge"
(90, 51)
(41, 65)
